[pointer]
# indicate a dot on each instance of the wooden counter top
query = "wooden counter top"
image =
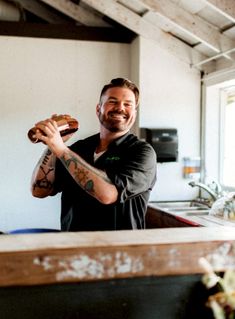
(36, 259)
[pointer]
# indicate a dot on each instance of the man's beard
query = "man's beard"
(113, 125)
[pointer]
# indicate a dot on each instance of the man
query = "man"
(105, 179)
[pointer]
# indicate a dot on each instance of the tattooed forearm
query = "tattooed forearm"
(72, 160)
(89, 187)
(44, 182)
(46, 157)
(69, 161)
(84, 174)
(91, 179)
(44, 175)
(81, 175)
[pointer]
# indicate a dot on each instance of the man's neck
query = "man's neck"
(107, 137)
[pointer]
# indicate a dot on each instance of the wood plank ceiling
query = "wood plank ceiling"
(199, 32)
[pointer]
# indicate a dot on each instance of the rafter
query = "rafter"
(224, 7)
(191, 24)
(40, 10)
(77, 12)
(142, 27)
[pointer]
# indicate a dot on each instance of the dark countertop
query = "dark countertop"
(198, 219)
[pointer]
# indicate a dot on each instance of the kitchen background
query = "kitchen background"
(42, 76)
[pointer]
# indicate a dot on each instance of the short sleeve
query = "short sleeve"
(136, 173)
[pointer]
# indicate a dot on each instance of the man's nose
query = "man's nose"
(119, 105)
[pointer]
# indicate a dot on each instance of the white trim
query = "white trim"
(97, 155)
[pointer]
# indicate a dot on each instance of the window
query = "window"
(227, 137)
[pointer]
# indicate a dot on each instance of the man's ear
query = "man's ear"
(98, 108)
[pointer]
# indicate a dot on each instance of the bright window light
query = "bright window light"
(227, 138)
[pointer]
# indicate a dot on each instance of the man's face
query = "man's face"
(117, 109)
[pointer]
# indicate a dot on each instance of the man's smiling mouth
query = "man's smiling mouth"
(118, 116)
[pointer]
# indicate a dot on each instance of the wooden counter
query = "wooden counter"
(146, 274)
(76, 257)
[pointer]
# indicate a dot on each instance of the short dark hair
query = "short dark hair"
(123, 83)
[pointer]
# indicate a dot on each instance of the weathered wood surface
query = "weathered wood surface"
(55, 258)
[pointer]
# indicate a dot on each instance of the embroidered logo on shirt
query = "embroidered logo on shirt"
(113, 158)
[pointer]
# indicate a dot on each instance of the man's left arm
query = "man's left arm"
(94, 181)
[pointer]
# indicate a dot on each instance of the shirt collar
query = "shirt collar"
(119, 140)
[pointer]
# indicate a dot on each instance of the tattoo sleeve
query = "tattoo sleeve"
(84, 174)
(44, 175)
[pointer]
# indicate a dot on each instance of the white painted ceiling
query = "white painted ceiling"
(200, 32)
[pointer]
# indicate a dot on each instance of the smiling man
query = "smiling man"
(106, 179)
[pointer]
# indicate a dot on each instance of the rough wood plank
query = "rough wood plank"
(64, 240)
(79, 257)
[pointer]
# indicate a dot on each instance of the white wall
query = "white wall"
(170, 98)
(39, 77)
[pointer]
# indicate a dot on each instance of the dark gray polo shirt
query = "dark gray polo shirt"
(130, 164)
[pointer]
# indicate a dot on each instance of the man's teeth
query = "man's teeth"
(118, 115)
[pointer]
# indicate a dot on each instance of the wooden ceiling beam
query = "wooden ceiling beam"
(142, 27)
(191, 24)
(224, 7)
(40, 10)
(77, 13)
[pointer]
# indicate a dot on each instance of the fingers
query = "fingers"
(45, 129)
(67, 137)
(48, 123)
(61, 116)
(54, 118)
(48, 128)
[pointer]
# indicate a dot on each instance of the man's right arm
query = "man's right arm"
(44, 175)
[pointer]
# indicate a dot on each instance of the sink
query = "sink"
(186, 209)
(180, 206)
(183, 208)
(192, 212)
(198, 213)
(173, 204)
